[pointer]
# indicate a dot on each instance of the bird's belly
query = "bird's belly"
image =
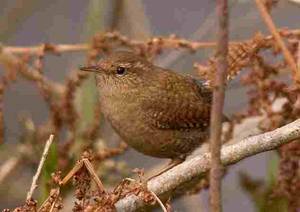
(149, 140)
(163, 143)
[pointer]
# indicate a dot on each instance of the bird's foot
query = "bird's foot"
(174, 162)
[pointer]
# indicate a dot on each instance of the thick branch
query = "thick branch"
(199, 165)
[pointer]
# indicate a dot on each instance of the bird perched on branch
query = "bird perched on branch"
(156, 111)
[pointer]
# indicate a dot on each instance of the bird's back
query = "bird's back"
(177, 102)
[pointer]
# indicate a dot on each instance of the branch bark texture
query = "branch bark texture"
(217, 108)
(199, 165)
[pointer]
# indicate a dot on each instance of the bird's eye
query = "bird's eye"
(121, 70)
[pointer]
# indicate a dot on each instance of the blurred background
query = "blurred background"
(33, 22)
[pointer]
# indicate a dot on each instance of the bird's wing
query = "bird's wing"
(180, 104)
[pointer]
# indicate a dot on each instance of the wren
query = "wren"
(156, 111)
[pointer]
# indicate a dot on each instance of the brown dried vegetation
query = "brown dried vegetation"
(247, 58)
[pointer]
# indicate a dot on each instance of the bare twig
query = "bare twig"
(47, 48)
(71, 173)
(10, 165)
(50, 201)
(159, 202)
(10, 61)
(113, 37)
(84, 162)
(199, 165)
(153, 194)
(38, 171)
(203, 30)
(298, 56)
(217, 107)
(93, 174)
(53, 205)
(272, 28)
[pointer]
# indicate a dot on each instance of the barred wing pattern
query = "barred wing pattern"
(184, 105)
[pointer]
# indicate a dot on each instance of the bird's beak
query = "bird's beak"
(89, 68)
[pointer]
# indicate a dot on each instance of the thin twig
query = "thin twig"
(11, 164)
(10, 61)
(51, 48)
(113, 37)
(71, 173)
(217, 107)
(203, 30)
(272, 28)
(50, 199)
(159, 201)
(93, 174)
(153, 194)
(168, 42)
(81, 163)
(53, 205)
(84, 162)
(8, 166)
(38, 171)
(199, 165)
(298, 56)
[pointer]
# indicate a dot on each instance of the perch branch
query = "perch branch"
(215, 175)
(199, 165)
(38, 171)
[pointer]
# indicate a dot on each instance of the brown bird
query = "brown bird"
(156, 111)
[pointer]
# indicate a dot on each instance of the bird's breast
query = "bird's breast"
(124, 113)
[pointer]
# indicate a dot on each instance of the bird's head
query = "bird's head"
(120, 69)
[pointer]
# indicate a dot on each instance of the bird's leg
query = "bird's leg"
(174, 162)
